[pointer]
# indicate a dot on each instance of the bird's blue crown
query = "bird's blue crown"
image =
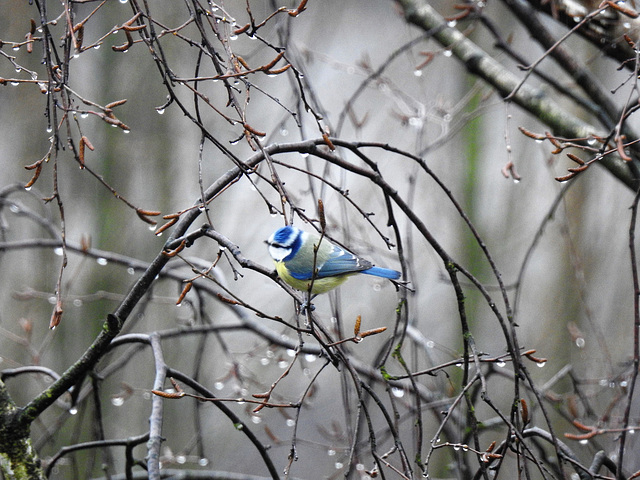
(286, 236)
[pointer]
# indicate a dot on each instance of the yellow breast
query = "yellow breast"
(320, 285)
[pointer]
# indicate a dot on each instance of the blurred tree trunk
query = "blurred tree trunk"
(19, 459)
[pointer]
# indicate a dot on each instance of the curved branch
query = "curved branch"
(532, 99)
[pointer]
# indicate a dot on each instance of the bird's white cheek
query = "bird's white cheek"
(278, 253)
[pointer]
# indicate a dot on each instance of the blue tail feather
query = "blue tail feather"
(382, 272)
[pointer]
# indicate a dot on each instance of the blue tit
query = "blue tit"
(292, 251)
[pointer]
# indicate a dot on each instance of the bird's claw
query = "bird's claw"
(306, 305)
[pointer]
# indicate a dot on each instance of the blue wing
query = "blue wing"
(341, 262)
(338, 262)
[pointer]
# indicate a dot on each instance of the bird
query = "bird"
(292, 250)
